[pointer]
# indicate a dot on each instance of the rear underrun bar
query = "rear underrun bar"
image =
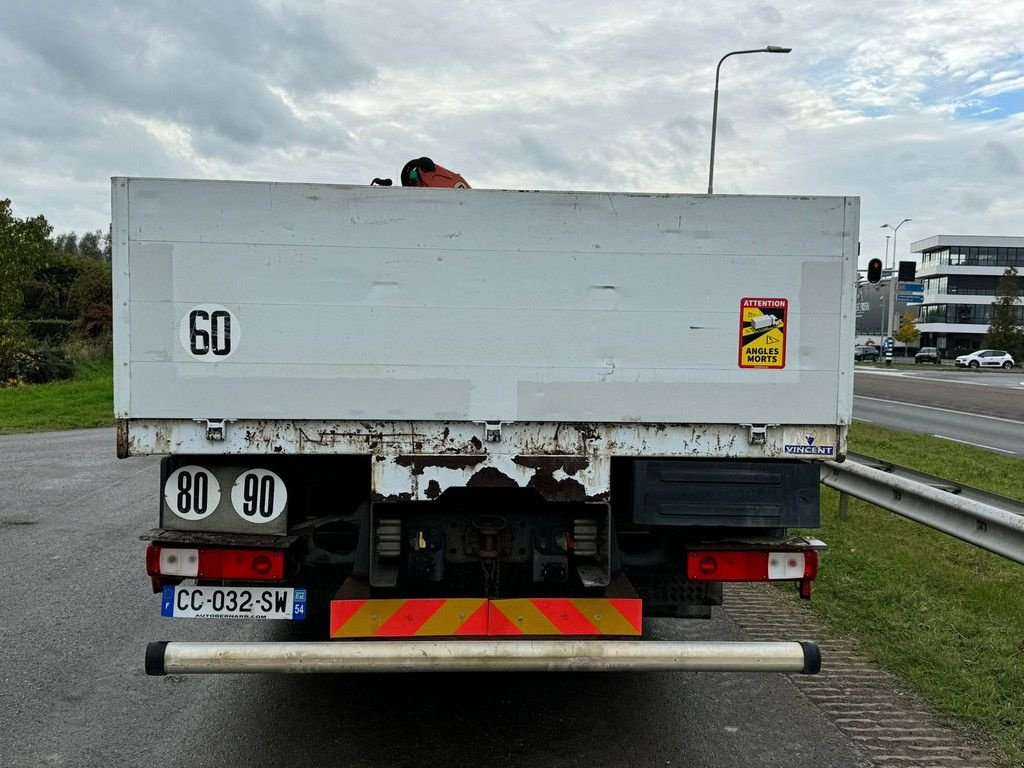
(164, 658)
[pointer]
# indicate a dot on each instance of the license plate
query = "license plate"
(234, 603)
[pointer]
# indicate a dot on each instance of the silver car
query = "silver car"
(986, 358)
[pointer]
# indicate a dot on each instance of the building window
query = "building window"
(977, 256)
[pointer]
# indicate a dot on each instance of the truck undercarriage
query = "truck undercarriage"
(488, 560)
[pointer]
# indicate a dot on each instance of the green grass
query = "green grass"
(943, 614)
(85, 401)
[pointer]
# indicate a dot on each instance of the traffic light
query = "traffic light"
(874, 270)
(908, 271)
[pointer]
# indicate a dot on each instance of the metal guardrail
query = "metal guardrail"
(987, 520)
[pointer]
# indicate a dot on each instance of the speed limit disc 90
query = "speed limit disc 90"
(192, 492)
(259, 496)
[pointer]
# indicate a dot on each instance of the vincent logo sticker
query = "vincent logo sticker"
(763, 333)
(810, 449)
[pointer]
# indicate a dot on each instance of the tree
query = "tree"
(90, 288)
(91, 245)
(907, 332)
(24, 247)
(1006, 331)
(66, 242)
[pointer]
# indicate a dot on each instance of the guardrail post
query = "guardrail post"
(844, 505)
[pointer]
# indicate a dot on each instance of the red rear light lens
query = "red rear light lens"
(729, 565)
(707, 565)
(152, 559)
(811, 565)
(217, 563)
(262, 564)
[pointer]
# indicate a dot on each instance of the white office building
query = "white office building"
(960, 275)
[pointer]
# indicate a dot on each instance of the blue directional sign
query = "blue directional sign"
(910, 287)
(910, 298)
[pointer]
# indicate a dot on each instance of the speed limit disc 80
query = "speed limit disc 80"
(192, 493)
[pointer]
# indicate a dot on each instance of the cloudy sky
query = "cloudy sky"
(915, 106)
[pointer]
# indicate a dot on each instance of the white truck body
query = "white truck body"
(428, 413)
(405, 321)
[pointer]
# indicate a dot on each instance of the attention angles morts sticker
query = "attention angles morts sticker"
(763, 332)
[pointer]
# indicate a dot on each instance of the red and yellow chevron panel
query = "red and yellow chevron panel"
(467, 616)
(460, 617)
(565, 616)
(409, 618)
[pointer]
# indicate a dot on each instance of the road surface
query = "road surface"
(980, 408)
(77, 612)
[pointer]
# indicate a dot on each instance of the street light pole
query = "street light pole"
(892, 285)
(885, 315)
(714, 112)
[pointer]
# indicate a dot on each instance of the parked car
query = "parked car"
(866, 352)
(928, 355)
(986, 358)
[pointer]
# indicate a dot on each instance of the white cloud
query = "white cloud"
(590, 95)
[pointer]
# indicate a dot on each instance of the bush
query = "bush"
(51, 364)
(16, 360)
(25, 361)
(85, 350)
(91, 286)
(40, 299)
(52, 330)
(97, 321)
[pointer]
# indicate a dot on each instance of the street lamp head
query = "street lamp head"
(896, 228)
(777, 49)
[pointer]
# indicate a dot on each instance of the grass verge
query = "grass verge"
(945, 615)
(85, 401)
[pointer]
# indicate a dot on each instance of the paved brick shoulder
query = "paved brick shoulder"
(889, 724)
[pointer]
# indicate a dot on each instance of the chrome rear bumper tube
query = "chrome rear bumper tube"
(167, 658)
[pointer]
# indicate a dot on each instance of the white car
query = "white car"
(986, 358)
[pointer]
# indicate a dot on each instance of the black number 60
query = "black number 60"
(209, 332)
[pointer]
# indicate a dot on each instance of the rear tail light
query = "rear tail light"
(215, 563)
(751, 566)
(174, 562)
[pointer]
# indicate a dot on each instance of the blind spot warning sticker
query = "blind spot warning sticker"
(763, 333)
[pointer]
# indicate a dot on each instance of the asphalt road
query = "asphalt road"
(77, 612)
(980, 408)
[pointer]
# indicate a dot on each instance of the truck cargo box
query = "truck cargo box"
(328, 319)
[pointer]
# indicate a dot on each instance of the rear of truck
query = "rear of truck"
(482, 429)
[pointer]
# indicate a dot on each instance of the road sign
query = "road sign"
(910, 298)
(910, 287)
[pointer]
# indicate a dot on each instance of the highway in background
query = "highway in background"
(981, 408)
